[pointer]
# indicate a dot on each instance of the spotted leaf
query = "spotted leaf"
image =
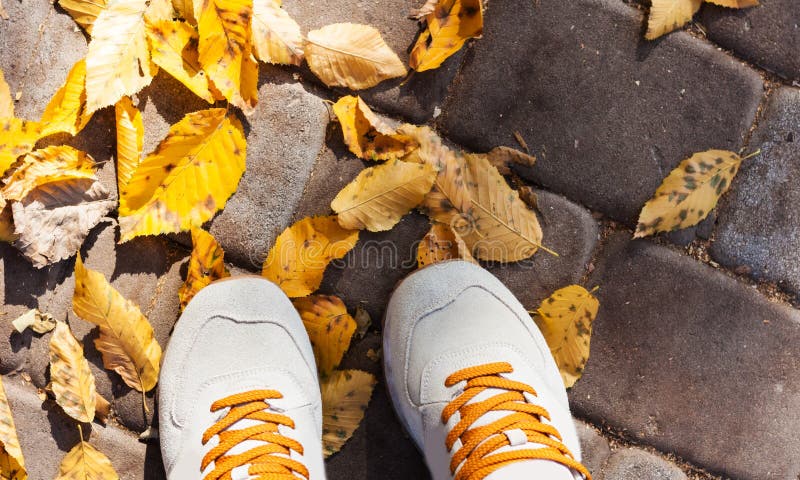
(276, 36)
(206, 264)
(669, 15)
(84, 462)
(449, 26)
(46, 165)
(367, 135)
(442, 243)
(12, 464)
(329, 327)
(17, 137)
(345, 396)
(67, 112)
(72, 380)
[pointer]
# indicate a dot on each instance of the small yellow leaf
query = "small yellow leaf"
(351, 55)
(130, 140)
(225, 50)
(276, 36)
(47, 165)
(669, 15)
(207, 263)
(380, 196)
(72, 381)
(565, 319)
(440, 244)
(345, 396)
(735, 3)
(450, 25)
(118, 62)
(12, 464)
(84, 12)
(37, 321)
(17, 137)
(66, 112)
(329, 327)
(689, 192)
(368, 136)
(297, 261)
(173, 45)
(6, 100)
(126, 338)
(84, 462)
(189, 177)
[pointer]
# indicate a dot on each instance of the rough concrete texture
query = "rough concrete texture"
(691, 361)
(637, 464)
(595, 449)
(758, 225)
(607, 113)
(767, 35)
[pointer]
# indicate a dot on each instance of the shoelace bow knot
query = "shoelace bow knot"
(267, 462)
(479, 444)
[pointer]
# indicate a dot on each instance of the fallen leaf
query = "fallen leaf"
(449, 26)
(37, 321)
(130, 140)
(46, 165)
(188, 178)
(423, 11)
(207, 263)
(565, 319)
(276, 36)
(102, 409)
(66, 112)
(734, 3)
(3, 13)
(188, 10)
(368, 136)
(173, 45)
(669, 15)
(159, 10)
(7, 229)
(430, 148)
(84, 462)
(12, 463)
(380, 196)
(225, 50)
(330, 329)
(345, 396)
(363, 321)
(17, 137)
(126, 339)
(118, 62)
(301, 253)
(72, 380)
(503, 158)
(689, 192)
(84, 12)
(442, 243)
(6, 100)
(351, 55)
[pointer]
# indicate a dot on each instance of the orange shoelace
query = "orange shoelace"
(480, 443)
(269, 461)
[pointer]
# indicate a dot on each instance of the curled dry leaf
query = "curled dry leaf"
(72, 380)
(189, 177)
(84, 462)
(6, 100)
(225, 50)
(12, 464)
(173, 45)
(366, 134)
(565, 319)
(35, 320)
(17, 137)
(130, 141)
(297, 261)
(689, 192)
(440, 244)
(503, 158)
(380, 196)
(67, 112)
(207, 263)
(351, 55)
(345, 396)
(126, 339)
(330, 329)
(84, 12)
(46, 165)
(276, 36)
(118, 62)
(449, 26)
(669, 15)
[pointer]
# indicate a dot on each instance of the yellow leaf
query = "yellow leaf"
(118, 62)
(130, 140)
(17, 137)
(735, 3)
(84, 462)
(450, 25)
(6, 100)
(565, 319)
(368, 136)
(47, 165)
(66, 112)
(84, 12)
(188, 10)
(225, 50)
(351, 55)
(189, 177)
(173, 45)
(207, 263)
(276, 36)
(7, 233)
(329, 327)
(689, 192)
(159, 10)
(669, 15)
(298, 259)
(380, 196)
(345, 396)
(37, 321)
(72, 381)
(12, 464)
(126, 338)
(440, 244)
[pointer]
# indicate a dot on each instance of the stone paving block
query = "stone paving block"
(767, 35)
(690, 361)
(607, 113)
(636, 464)
(758, 224)
(595, 449)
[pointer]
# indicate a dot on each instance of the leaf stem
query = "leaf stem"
(757, 152)
(80, 432)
